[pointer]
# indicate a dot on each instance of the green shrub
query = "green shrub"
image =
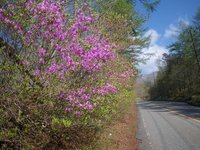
(195, 100)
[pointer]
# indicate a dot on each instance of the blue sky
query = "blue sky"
(163, 27)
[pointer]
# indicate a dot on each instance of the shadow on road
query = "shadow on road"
(165, 106)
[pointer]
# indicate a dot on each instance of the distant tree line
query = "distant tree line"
(179, 79)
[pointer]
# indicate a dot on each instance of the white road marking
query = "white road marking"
(148, 134)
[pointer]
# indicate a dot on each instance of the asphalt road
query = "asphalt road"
(168, 126)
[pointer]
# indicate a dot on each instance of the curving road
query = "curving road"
(168, 126)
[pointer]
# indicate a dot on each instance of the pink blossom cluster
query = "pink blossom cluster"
(78, 101)
(105, 90)
(61, 45)
(6, 19)
(72, 41)
(81, 100)
(76, 45)
(127, 74)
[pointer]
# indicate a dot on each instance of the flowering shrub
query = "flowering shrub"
(56, 46)
(58, 65)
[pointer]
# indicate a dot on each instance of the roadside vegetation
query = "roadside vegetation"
(179, 78)
(67, 70)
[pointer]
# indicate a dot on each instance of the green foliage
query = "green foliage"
(120, 7)
(65, 122)
(195, 100)
(197, 17)
(150, 5)
(11, 133)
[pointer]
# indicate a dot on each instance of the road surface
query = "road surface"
(168, 126)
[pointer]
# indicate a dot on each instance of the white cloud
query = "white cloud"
(151, 64)
(171, 31)
(156, 52)
(153, 36)
(183, 21)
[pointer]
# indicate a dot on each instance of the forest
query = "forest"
(178, 78)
